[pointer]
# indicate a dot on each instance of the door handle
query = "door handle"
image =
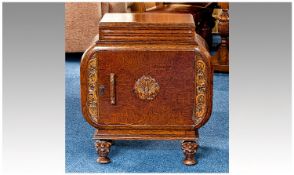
(112, 88)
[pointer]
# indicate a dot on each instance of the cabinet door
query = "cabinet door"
(140, 89)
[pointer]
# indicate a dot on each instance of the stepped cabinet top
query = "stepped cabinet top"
(147, 27)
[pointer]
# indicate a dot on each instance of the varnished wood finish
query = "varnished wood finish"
(189, 148)
(113, 134)
(201, 12)
(220, 60)
(172, 106)
(144, 28)
(146, 88)
(145, 20)
(165, 58)
(112, 88)
(103, 149)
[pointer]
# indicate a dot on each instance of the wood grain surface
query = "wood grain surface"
(147, 77)
(172, 64)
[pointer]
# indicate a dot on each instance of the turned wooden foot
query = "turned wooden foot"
(189, 148)
(103, 149)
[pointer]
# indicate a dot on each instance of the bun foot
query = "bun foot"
(189, 148)
(189, 161)
(103, 149)
(103, 160)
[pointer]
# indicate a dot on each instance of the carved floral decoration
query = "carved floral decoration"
(201, 91)
(92, 88)
(146, 88)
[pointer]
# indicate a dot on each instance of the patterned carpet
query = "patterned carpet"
(145, 156)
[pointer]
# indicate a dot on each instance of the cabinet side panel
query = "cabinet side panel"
(88, 89)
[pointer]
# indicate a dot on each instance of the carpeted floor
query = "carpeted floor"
(145, 156)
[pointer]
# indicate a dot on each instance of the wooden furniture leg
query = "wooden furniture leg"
(189, 148)
(103, 149)
(220, 60)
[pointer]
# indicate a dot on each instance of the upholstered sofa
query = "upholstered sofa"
(81, 22)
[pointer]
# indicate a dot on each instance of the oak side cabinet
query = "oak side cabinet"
(147, 77)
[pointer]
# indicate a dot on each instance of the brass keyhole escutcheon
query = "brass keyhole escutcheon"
(146, 88)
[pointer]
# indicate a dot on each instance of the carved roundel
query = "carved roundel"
(146, 88)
